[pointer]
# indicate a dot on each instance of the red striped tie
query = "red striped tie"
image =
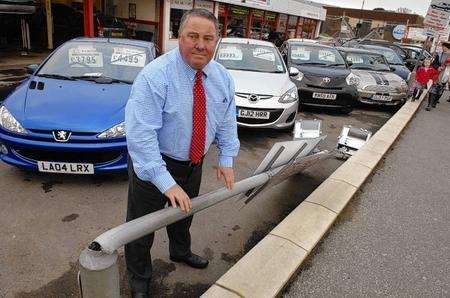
(198, 120)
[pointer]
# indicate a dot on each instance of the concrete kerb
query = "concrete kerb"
(268, 267)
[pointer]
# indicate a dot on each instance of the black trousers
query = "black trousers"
(144, 198)
(436, 92)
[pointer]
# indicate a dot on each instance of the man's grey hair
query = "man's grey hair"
(199, 12)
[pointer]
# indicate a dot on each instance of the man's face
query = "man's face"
(427, 63)
(197, 41)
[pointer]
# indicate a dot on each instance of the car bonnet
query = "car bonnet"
(81, 106)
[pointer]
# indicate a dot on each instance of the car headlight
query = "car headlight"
(290, 96)
(8, 122)
(300, 76)
(352, 80)
(114, 132)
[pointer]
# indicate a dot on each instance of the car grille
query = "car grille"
(94, 157)
(74, 133)
(274, 115)
(382, 89)
(253, 97)
(329, 88)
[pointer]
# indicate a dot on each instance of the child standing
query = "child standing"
(423, 74)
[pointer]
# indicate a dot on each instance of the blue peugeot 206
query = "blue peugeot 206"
(68, 116)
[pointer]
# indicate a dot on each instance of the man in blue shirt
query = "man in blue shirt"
(179, 105)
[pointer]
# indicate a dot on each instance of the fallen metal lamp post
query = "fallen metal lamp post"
(99, 274)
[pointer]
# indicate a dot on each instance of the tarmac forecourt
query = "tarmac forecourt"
(269, 266)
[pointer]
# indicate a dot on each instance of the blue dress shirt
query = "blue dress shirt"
(158, 116)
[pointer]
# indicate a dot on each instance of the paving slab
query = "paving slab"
(332, 194)
(306, 225)
(352, 173)
(367, 157)
(377, 145)
(218, 292)
(253, 275)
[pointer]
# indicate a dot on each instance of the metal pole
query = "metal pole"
(99, 274)
(115, 238)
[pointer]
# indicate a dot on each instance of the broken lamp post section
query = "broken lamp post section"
(351, 140)
(98, 275)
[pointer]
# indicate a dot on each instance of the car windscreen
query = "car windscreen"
(367, 61)
(315, 55)
(84, 60)
(250, 57)
(390, 55)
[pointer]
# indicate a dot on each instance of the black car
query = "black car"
(415, 53)
(324, 79)
(106, 26)
(403, 53)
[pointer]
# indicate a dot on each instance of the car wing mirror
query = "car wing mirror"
(31, 69)
(349, 63)
(293, 72)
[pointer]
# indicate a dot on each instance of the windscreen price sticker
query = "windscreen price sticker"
(79, 57)
(230, 53)
(264, 54)
(300, 54)
(355, 59)
(128, 57)
(327, 56)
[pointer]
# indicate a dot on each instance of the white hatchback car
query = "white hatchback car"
(264, 94)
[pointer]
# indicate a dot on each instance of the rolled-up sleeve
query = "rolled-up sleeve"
(143, 118)
(226, 135)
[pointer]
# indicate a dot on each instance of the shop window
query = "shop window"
(257, 24)
(177, 9)
(238, 21)
(300, 24)
(309, 29)
(292, 26)
(282, 23)
(223, 18)
(269, 26)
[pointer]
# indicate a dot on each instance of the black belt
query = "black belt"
(182, 162)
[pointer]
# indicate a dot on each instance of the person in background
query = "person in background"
(440, 61)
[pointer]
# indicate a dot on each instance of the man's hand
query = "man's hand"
(176, 195)
(227, 174)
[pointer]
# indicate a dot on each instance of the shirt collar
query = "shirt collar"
(191, 71)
